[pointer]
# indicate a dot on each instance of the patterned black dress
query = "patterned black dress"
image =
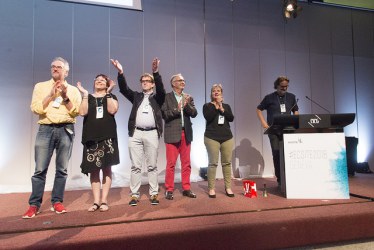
(99, 137)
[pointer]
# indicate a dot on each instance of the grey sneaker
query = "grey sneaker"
(154, 200)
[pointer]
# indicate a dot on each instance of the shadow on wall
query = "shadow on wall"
(247, 161)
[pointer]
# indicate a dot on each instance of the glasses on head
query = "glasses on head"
(146, 81)
(56, 67)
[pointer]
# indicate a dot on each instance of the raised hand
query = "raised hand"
(117, 65)
(155, 65)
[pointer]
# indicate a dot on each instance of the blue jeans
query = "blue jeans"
(49, 138)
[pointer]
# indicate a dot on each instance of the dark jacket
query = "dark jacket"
(172, 117)
(136, 98)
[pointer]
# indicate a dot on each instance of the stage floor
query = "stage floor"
(271, 222)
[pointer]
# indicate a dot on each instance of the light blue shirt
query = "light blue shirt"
(180, 99)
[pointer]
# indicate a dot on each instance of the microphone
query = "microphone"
(317, 104)
(297, 99)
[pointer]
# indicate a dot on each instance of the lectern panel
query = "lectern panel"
(316, 166)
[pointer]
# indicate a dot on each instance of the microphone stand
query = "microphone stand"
(317, 104)
(293, 106)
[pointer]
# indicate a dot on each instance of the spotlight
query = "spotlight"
(291, 9)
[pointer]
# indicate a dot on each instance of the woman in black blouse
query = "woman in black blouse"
(218, 139)
(99, 138)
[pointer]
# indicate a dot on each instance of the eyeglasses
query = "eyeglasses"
(100, 80)
(56, 67)
(180, 80)
(148, 81)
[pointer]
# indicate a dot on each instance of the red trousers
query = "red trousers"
(172, 151)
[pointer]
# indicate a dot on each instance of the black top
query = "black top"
(272, 103)
(98, 129)
(213, 130)
(156, 100)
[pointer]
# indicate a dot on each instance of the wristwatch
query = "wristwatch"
(66, 100)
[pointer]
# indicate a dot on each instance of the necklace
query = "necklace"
(100, 101)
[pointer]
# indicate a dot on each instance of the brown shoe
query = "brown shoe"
(169, 195)
(189, 193)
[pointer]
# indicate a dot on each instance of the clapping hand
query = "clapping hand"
(81, 89)
(187, 99)
(112, 84)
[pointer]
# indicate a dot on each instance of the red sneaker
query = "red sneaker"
(58, 208)
(31, 212)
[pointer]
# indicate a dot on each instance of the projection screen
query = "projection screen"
(126, 4)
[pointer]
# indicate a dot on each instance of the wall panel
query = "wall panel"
(16, 84)
(189, 61)
(326, 52)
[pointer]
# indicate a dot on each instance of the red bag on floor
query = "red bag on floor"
(250, 189)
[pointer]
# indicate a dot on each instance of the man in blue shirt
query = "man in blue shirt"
(278, 102)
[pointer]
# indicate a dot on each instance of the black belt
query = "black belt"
(145, 129)
(57, 125)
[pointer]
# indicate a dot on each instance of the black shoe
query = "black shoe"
(169, 195)
(134, 201)
(212, 195)
(189, 193)
(154, 200)
(230, 195)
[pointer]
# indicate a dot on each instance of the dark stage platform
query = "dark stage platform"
(272, 222)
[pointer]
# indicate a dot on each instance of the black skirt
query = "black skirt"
(98, 155)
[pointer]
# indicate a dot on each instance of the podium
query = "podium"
(312, 155)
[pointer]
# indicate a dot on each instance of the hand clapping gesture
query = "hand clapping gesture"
(186, 99)
(218, 102)
(112, 84)
(82, 90)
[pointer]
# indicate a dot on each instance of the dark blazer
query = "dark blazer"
(156, 100)
(172, 118)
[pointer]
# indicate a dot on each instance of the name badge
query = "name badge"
(283, 108)
(57, 102)
(146, 109)
(99, 112)
(221, 119)
(69, 131)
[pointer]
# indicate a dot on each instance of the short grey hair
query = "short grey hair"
(66, 64)
(173, 77)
